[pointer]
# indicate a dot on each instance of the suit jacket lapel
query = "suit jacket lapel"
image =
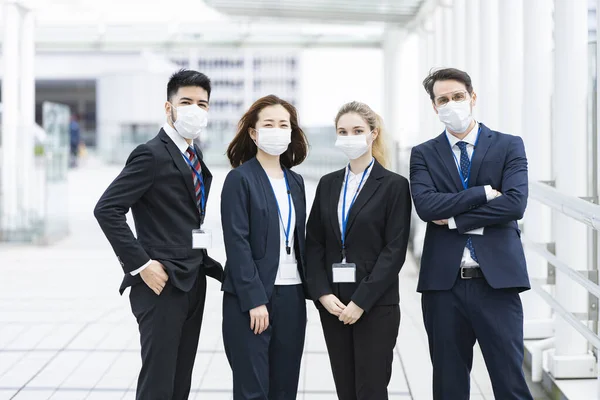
(444, 150)
(370, 187)
(271, 202)
(334, 199)
(184, 169)
(296, 192)
(483, 144)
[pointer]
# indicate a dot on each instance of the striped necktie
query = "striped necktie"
(197, 183)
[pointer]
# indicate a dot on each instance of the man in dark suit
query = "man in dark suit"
(166, 184)
(470, 185)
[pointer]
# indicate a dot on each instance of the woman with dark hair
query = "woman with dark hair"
(263, 214)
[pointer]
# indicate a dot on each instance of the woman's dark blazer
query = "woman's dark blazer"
(250, 222)
(376, 240)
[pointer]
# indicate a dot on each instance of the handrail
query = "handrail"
(567, 316)
(562, 267)
(574, 207)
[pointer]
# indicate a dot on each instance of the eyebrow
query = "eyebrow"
(272, 120)
(190, 100)
(455, 91)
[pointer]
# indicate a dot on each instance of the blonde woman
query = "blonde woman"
(357, 237)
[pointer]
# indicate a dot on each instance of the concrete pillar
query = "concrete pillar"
(392, 44)
(11, 161)
(536, 131)
(438, 33)
(459, 31)
(510, 79)
(488, 83)
(472, 40)
(447, 33)
(26, 142)
(571, 358)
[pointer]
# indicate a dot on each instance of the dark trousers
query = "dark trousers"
(361, 355)
(266, 366)
(169, 327)
(473, 310)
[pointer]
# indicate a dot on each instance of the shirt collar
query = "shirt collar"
(179, 141)
(471, 138)
(352, 174)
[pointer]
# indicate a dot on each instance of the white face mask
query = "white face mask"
(191, 120)
(353, 146)
(274, 141)
(456, 116)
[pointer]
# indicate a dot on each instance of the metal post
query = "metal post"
(536, 130)
(447, 33)
(571, 358)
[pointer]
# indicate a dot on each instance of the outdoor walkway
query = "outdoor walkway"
(65, 333)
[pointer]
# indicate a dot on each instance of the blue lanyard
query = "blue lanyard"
(465, 179)
(288, 249)
(344, 215)
(201, 180)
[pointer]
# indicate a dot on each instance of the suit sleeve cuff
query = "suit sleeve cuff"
(140, 269)
(489, 193)
(451, 223)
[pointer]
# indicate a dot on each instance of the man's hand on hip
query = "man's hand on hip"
(155, 277)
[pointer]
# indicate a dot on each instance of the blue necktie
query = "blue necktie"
(465, 163)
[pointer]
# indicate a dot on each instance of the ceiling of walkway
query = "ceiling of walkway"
(130, 25)
(393, 11)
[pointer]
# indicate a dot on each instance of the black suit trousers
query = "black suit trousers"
(361, 355)
(169, 327)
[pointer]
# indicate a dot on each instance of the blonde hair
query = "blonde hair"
(380, 149)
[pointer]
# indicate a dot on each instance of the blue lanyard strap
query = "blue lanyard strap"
(201, 180)
(344, 215)
(287, 231)
(465, 179)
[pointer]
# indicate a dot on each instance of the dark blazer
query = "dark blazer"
(157, 185)
(376, 239)
(251, 232)
(499, 160)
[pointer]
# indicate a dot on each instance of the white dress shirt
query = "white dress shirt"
(353, 181)
(182, 145)
(470, 139)
(280, 189)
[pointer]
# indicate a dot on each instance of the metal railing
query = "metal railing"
(580, 210)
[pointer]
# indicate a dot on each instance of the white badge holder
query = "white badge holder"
(201, 239)
(288, 269)
(344, 272)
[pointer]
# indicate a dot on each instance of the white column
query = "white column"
(448, 30)
(571, 358)
(438, 33)
(536, 127)
(30, 208)
(459, 26)
(510, 81)
(10, 117)
(392, 44)
(472, 40)
(488, 85)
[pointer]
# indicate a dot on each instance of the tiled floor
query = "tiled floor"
(65, 333)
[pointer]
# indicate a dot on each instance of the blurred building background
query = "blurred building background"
(533, 64)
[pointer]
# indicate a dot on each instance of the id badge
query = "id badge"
(288, 270)
(201, 239)
(344, 273)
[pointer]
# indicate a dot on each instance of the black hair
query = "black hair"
(447, 74)
(186, 77)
